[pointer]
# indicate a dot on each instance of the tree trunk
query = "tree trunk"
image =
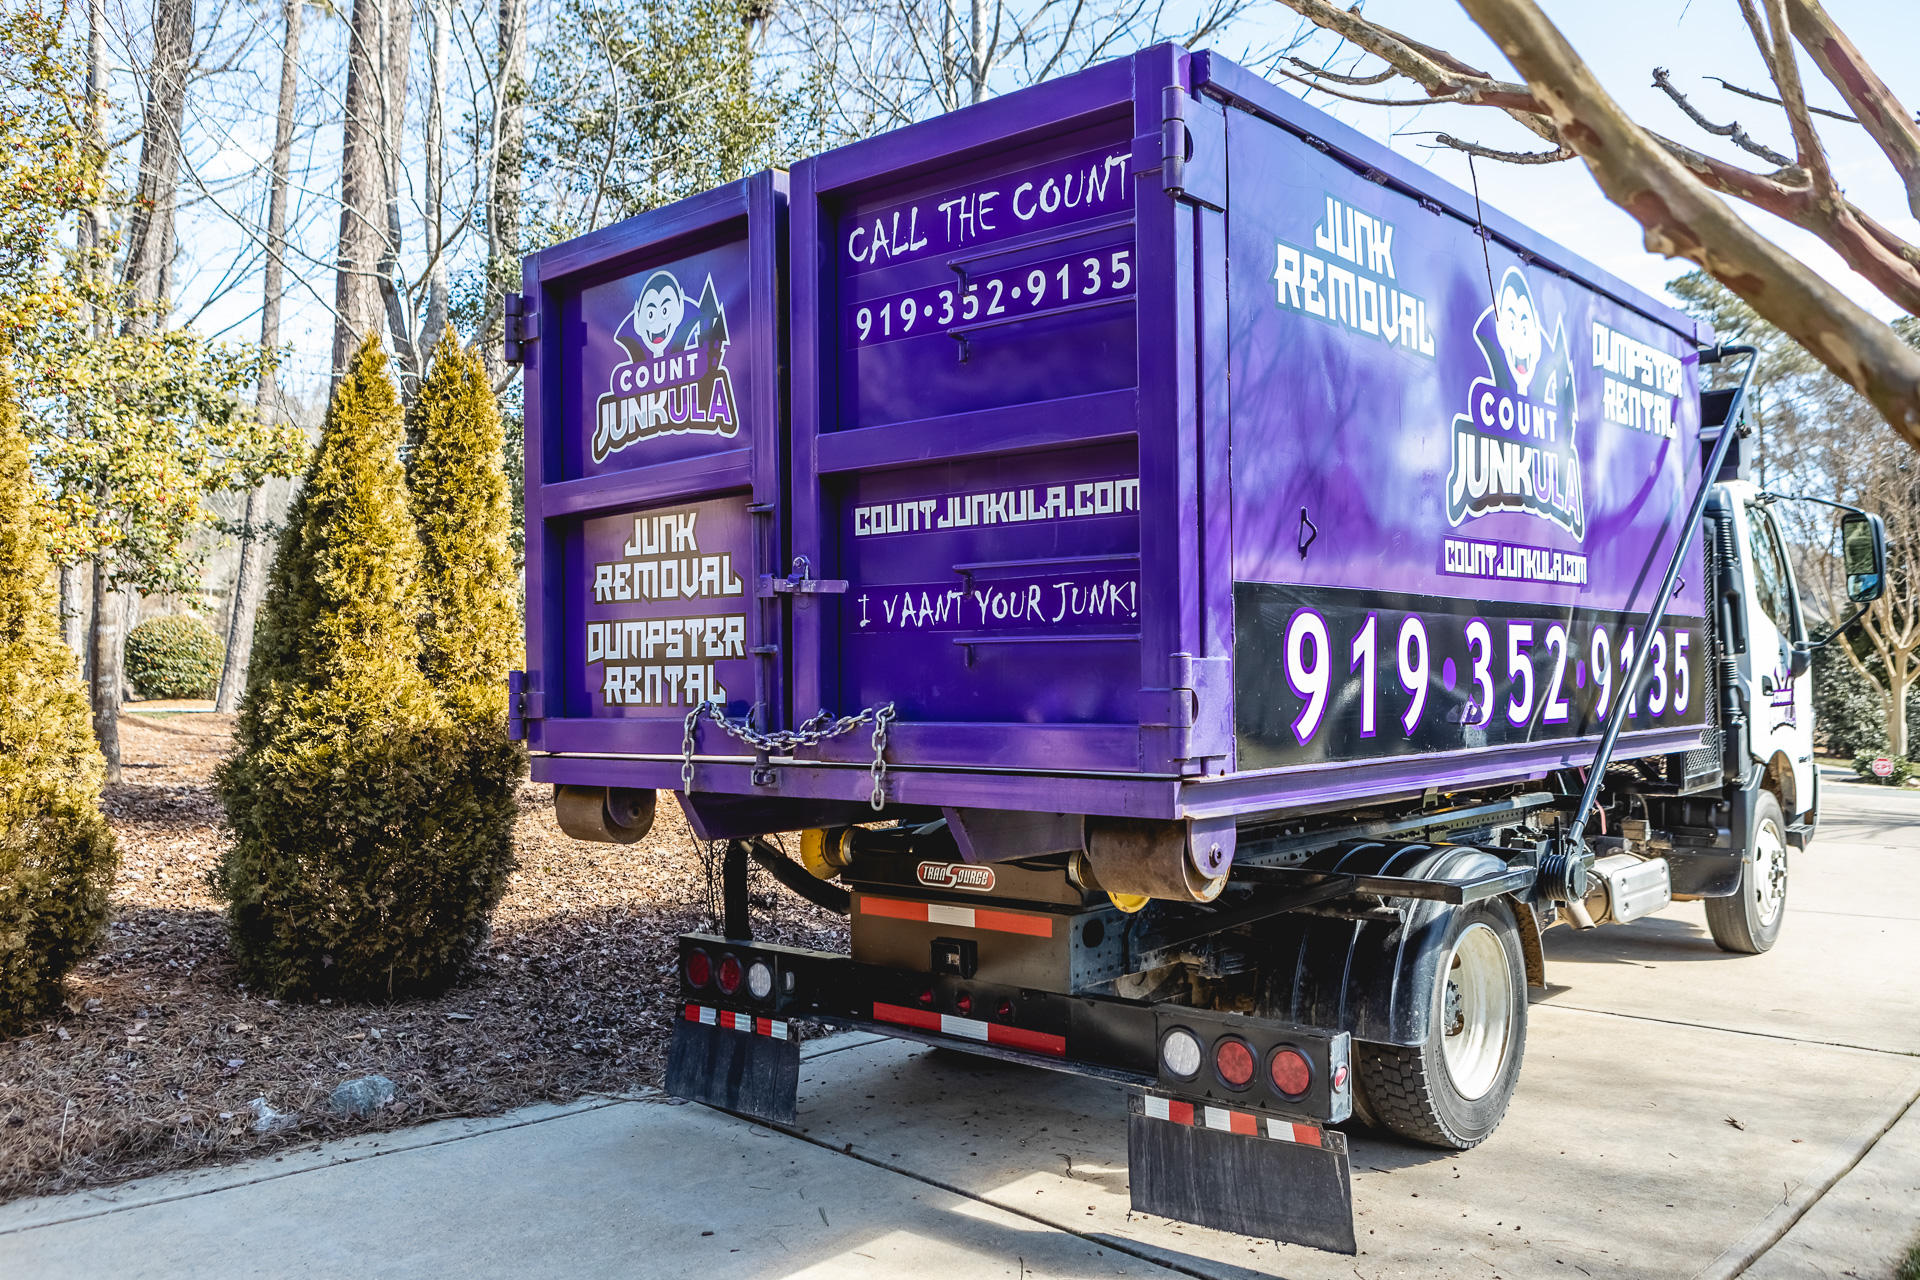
(107, 655)
(503, 199)
(440, 18)
(397, 40)
(73, 611)
(356, 291)
(977, 63)
(247, 577)
(149, 263)
(1899, 680)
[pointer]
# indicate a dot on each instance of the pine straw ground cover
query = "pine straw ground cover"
(154, 1062)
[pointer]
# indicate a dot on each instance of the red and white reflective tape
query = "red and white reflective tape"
(1228, 1120)
(972, 1029)
(1032, 925)
(712, 1017)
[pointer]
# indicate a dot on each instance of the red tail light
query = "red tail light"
(699, 968)
(963, 1006)
(730, 974)
(1292, 1074)
(1233, 1059)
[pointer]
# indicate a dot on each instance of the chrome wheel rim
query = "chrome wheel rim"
(1476, 1011)
(1769, 873)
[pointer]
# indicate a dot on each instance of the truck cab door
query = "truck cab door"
(1780, 690)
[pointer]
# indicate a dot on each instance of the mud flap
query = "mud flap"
(1242, 1171)
(736, 1062)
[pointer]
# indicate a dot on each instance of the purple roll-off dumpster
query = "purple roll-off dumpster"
(1153, 446)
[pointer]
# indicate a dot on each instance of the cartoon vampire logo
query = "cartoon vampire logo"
(674, 380)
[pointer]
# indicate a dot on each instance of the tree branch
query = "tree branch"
(1878, 110)
(1683, 219)
(1441, 75)
(1806, 141)
(1558, 154)
(1730, 130)
(1361, 82)
(1757, 96)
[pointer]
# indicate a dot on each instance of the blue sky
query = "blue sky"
(1623, 40)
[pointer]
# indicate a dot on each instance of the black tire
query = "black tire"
(1411, 1091)
(1748, 923)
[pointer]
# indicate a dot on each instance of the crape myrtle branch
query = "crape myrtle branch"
(1757, 96)
(1669, 188)
(1879, 112)
(1730, 130)
(1554, 156)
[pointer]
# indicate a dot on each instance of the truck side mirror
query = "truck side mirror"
(1863, 555)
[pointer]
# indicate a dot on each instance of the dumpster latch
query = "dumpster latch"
(800, 581)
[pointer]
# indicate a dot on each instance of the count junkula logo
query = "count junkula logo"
(674, 380)
(1513, 448)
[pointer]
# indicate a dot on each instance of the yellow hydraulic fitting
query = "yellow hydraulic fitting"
(825, 851)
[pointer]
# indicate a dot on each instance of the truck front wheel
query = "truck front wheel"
(1749, 921)
(1452, 1090)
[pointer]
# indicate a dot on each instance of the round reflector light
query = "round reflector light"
(963, 1005)
(1291, 1072)
(1233, 1059)
(730, 975)
(1180, 1053)
(699, 968)
(760, 979)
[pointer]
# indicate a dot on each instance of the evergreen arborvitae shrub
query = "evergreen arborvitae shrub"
(462, 506)
(355, 868)
(174, 657)
(57, 856)
(469, 590)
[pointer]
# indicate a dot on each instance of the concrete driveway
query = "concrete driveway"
(1683, 1113)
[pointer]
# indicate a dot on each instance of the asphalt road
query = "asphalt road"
(1682, 1113)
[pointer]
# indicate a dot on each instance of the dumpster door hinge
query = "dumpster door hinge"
(521, 328)
(1199, 707)
(525, 705)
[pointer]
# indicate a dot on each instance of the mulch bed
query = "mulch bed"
(156, 1060)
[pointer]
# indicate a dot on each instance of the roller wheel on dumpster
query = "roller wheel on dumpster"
(1749, 921)
(1453, 1090)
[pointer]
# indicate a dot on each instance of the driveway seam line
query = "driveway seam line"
(1732, 1031)
(1735, 1260)
(1118, 1246)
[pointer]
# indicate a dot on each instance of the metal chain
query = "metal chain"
(811, 733)
(878, 769)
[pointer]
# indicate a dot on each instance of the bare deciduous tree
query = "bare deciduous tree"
(248, 573)
(363, 183)
(1675, 191)
(888, 65)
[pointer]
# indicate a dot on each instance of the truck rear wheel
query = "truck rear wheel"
(1452, 1090)
(1749, 921)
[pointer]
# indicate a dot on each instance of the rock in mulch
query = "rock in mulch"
(361, 1097)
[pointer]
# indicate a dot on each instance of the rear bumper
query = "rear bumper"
(1241, 1159)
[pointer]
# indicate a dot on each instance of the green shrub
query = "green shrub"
(469, 588)
(365, 860)
(1902, 768)
(57, 855)
(174, 657)
(462, 506)
(1847, 713)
